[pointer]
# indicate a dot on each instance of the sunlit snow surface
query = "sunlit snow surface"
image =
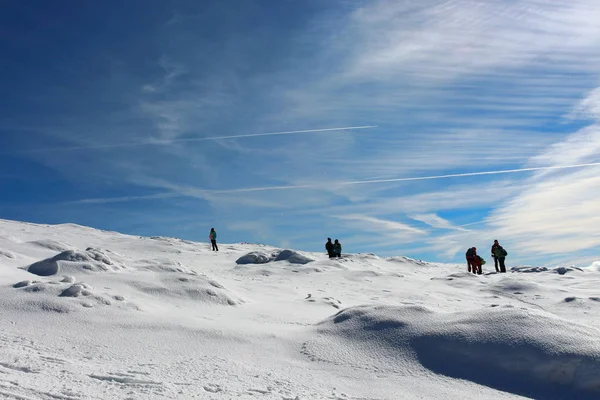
(87, 314)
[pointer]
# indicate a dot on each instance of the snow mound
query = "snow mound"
(259, 257)
(52, 289)
(76, 290)
(499, 348)
(199, 289)
(51, 245)
(92, 260)
(408, 260)
(512, 285)
(163, 265)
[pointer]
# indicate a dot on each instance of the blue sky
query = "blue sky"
(119, 115)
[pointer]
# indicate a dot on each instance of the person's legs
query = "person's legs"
(468, 265)
(502, 265)
(496, 264)
(476, 266)
(214, 245)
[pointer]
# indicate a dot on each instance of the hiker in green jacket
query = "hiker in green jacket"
(500, 254)
(213, 239)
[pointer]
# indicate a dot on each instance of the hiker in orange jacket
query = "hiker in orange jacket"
(473, 261)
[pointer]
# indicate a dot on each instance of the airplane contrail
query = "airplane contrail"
(416, 178)
(199, 192)
(184, 140)
(466, 174)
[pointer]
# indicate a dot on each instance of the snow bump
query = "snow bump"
(500, 347)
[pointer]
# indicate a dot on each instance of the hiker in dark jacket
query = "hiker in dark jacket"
(500, 254)
(494, 247)
(470, 255)
(329, 248)
(213, 239)
(337, 249)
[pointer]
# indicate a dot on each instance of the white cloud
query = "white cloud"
(435, 221)
(589, 107)
(392, 228)
(447, 38)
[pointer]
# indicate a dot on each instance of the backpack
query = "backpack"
(504, 252)
(469, 253)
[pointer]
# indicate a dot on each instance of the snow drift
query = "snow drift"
(525, 352)
(135, 317)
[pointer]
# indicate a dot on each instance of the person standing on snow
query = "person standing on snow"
(470, 256)
(500, 254)
(494, 247)
(329, 248)
(337, 249)
(213, 239)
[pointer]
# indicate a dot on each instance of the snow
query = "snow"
(260, 257)
(90, 314)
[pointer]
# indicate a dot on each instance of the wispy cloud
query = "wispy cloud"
(378, 231)
(329, 184)
(435, 221)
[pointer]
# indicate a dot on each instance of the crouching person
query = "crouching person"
(474, 262)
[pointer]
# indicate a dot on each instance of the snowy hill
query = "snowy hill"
(88, 314)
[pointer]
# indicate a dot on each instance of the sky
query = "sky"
(398, 128)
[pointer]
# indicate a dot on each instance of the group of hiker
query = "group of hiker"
(474, 261)
(333, 249)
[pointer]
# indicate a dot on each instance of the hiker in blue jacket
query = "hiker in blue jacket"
(337, 248)
(213, 239)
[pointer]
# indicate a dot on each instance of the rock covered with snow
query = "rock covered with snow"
(254, 257)
(293, 257)
(566, 270)
(259, 257)
(529, 269)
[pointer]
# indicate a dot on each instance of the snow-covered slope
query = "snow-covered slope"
(87, 314)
